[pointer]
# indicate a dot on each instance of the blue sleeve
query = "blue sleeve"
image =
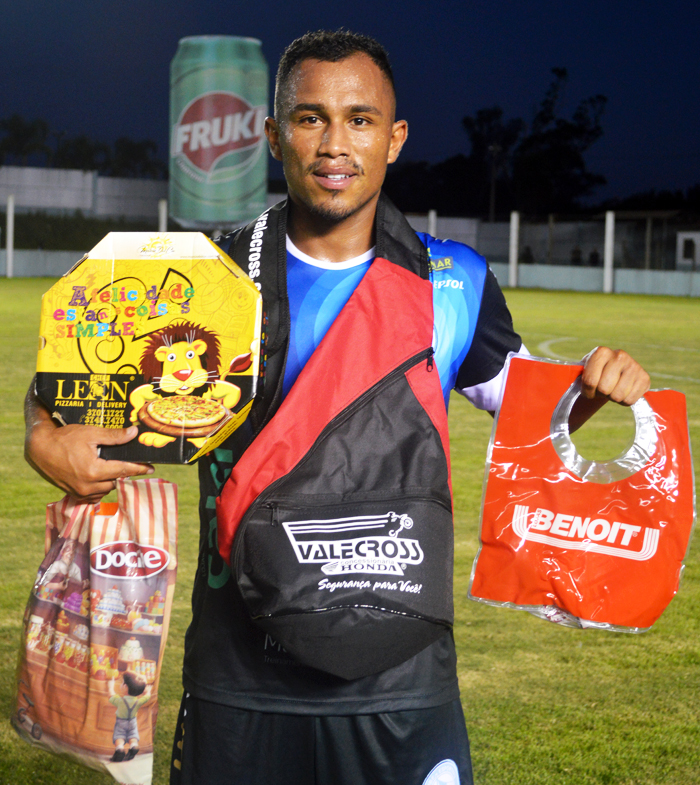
(473, 329)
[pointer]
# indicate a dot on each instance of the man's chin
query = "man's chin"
(334, 210)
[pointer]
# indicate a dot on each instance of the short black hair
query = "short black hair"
(135, 684)
(328, 46)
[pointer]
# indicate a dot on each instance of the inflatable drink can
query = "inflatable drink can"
(218, 104)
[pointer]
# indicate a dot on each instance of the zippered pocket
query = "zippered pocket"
(350, 588)
(393, 554)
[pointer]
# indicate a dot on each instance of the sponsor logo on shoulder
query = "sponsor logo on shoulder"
(576, 532)
(442, 263)
(128, 560)
(359, 544)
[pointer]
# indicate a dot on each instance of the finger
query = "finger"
(115, 435)
(92, 493)
(641, 387)
(633, 383)
(615, 381)
(614, 375)
(113, 470)
(593, 369)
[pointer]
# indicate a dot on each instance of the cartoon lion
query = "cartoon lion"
(177, 361)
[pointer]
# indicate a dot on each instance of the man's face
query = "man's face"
(336, 135)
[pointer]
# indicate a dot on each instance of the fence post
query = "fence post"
(162, 215)
(513, 249)
(10, 234)
(432, 223)
(609, 252)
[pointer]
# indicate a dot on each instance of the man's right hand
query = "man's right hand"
(68, 456)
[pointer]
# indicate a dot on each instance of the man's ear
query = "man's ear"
(399, 134)
(273, 137)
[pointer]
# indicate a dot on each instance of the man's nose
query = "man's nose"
(335, 140)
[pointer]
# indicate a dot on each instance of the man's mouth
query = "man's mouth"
(334, 181)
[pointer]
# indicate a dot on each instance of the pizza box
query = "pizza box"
(160, 330)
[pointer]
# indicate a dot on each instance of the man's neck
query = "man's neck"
(332, 241)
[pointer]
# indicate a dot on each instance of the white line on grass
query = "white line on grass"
(679, 378)
(545, 348)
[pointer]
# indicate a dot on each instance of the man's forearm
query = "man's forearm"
(35, 415)
(69, 456)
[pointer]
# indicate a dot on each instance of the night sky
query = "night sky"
(101, 68)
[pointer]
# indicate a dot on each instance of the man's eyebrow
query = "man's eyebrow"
(355, 109)
(365, 109)
(308, 108)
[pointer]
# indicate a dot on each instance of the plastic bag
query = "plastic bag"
(577, 542)
(95, 629)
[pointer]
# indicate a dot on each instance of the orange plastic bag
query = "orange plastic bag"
(576, 542)
(95, 629)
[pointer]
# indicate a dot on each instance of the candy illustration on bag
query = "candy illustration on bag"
(578, 542)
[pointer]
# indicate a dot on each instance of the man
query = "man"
(251, 712)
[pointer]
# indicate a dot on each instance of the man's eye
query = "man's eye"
(360, 121)
(311, 120)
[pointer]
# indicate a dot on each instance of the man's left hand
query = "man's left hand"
(608, 375)
(613, 375)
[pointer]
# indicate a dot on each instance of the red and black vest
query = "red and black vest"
(337, 519)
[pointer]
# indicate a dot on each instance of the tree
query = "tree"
(548, 169)
(23, 138)
(539, 169)
(492, 142)
(81, 152)
(136, 159)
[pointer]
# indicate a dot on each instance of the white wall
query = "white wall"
(67, 190)
(682, 263)
(464, 230)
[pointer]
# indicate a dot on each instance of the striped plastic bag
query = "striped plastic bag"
(95, 629)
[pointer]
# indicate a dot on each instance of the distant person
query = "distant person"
(526, 256)
(576, 257)
(594, 258)
(337, 252)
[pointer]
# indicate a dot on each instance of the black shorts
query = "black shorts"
(221, 745)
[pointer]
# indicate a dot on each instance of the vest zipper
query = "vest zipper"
(275, 507)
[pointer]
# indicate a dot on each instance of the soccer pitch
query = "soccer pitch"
(544, 704)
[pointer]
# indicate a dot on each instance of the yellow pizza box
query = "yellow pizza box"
(160, 330)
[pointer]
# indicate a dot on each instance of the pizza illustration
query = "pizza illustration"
(183, 394)
(189, 413)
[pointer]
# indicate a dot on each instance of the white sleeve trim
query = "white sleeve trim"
(488, 395)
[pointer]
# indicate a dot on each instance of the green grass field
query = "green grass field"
(544, 704)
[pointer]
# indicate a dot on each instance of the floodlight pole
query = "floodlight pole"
(432, 223)
(10, 234)
(609, 252)
(162, 215)
(513, 249)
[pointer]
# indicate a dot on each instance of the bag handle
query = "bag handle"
(635, 457)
